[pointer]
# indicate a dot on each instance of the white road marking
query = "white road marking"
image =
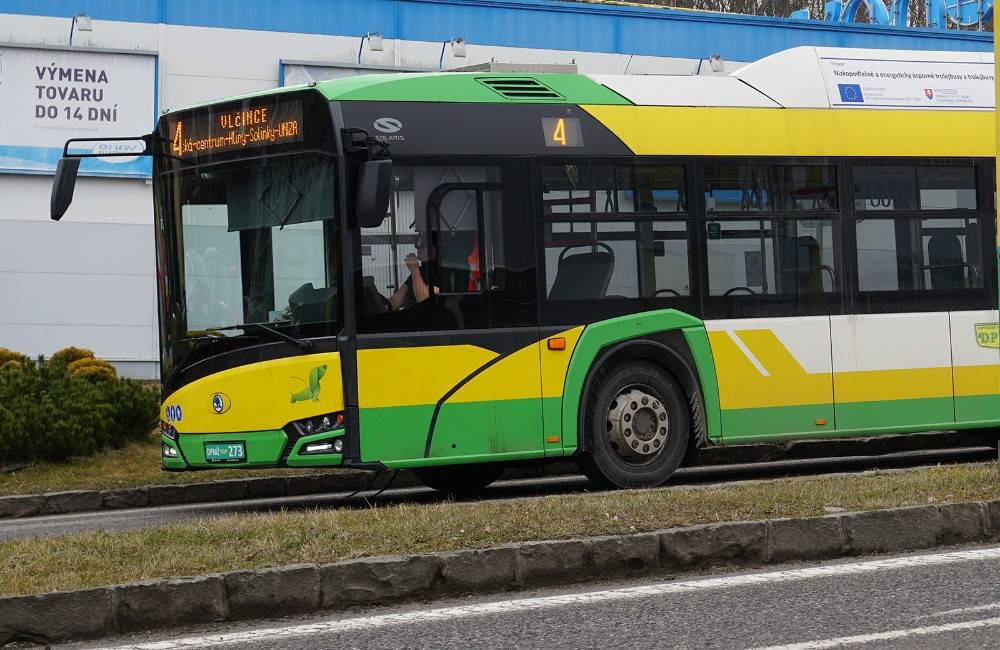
(332, 625)
(891, 635)
(749, 355)
(964, 610)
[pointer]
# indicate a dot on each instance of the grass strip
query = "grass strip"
(327, 535)
(132, 465)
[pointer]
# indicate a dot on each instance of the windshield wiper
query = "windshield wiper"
(301, 344)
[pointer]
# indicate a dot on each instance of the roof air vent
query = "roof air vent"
(519, 88)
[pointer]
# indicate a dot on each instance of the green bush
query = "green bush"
(49, 413)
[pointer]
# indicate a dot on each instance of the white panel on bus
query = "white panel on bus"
(791, 77)
(684, 91)
(868, 342)
(825, 77)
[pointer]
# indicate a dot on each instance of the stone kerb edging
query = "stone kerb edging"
(384, 580)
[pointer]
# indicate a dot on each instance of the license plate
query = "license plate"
(225, 452)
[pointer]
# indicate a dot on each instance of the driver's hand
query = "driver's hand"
(412, 262)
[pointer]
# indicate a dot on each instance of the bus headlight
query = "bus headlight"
(319, 424)
(168, 430)
(169, 452)
(334, 446)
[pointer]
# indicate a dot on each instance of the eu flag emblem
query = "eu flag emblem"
(851, 93)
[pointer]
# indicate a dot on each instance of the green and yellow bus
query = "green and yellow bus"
(455, 272)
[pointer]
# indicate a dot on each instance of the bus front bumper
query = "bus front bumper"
(253, 449)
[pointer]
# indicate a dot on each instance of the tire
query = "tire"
(642, 395)
(459, 480)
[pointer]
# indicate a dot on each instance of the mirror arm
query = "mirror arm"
(150, 140)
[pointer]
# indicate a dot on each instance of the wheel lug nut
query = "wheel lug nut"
(628, 417)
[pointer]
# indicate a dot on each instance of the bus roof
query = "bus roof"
(801, 77)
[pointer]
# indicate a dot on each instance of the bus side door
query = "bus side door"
(453, 373)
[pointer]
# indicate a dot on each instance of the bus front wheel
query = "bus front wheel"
(459, 480)
(637, 423)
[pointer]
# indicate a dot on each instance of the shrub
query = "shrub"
(48, 412)
(68, 355)
(91, 369)
(6, 356)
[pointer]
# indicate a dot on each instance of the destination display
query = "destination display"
(943, 85)
(562, 132)
(259, 124)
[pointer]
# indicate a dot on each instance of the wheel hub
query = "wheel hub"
(637, 424)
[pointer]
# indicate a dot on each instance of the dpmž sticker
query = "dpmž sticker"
(311, 391)
(988, 335)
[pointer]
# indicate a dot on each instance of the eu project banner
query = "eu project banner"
(860, 83)
(50, 96)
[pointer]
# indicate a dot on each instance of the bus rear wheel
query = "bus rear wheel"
(638, 424)
(459, 480)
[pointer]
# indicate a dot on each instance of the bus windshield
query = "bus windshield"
(246, 243)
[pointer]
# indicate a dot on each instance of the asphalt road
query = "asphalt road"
(686, 478)
(943, 599)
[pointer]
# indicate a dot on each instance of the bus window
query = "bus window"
(651, 188)
(579, 189)
(800, 188)
(884, 187)
(925, 255)
(947, 188)
(733, 187)
(591, 260)
(213, 282)
(424, 267)
(772, 267)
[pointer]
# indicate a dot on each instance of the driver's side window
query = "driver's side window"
(421, 268)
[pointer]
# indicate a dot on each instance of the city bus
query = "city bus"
(455, 272)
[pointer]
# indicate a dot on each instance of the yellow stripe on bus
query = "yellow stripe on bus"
(742, 385)
(977, 380)
(786, 383)
(896, 384)
(414, 375)
(712, 131)
(513, 377)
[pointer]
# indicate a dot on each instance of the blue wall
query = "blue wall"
(519, 23)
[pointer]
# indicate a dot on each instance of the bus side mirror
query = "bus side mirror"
(372, 198)
(63, 186)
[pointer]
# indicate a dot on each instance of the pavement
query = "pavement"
(686, 478)
(942, 599)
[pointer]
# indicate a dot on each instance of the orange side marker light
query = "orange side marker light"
(821, 422)
(552, 439)
(557, 343)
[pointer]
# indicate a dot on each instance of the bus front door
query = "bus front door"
(449, 366)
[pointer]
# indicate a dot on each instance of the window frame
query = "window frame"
(739, 305)
(924, 300)
(574, 312)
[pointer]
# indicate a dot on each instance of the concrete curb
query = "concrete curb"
(303, 589)
(53, 503)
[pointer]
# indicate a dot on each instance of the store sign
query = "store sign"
(861, 83)
(50, 96)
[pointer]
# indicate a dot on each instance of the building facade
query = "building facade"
(96, 68)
